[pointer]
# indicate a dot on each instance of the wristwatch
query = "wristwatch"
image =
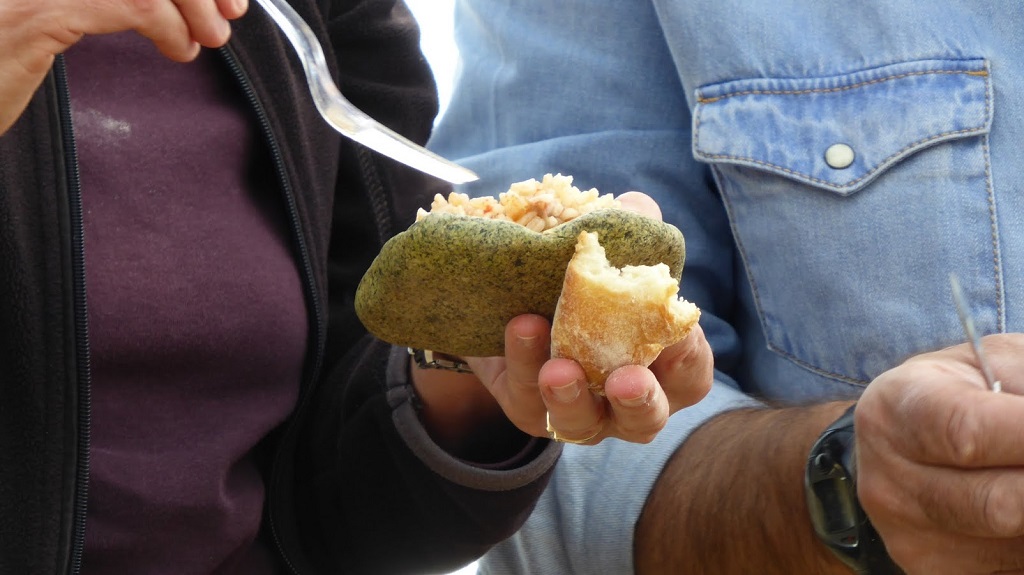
(428, 359)
(830, 485)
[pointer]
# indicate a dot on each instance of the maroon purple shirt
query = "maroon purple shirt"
(198, 329)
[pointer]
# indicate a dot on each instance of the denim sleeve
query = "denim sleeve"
(593, 93)
(585, 519)
(548, 88)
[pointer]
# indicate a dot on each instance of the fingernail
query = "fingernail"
(641, 399)
(527, 342)
(567, 393)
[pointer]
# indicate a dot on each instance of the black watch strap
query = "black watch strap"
(830, 484)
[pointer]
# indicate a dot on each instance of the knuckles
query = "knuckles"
(1000, 506)
(962, 431)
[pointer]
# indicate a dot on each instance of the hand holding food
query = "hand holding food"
(483, 279)
(549, 397)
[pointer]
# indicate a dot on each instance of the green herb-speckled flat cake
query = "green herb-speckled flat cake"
(451, 282)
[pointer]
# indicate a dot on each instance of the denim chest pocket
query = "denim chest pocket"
(852, 198)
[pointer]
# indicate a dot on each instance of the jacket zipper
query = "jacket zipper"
(312, 294)
(81, 312)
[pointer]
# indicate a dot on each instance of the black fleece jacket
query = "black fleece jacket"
(347, 493)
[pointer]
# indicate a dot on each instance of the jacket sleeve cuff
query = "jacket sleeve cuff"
(535, 460)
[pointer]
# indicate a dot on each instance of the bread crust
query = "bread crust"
(608, 317)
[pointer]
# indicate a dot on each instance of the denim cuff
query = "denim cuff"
(584, 521)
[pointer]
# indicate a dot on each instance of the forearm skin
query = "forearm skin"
(731, 499)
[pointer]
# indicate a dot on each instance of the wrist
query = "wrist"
(462, 417)
(733, 497)
(839, 521)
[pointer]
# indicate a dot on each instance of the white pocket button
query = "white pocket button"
(839, 156)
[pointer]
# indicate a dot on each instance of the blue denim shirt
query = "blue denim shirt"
(829, 164)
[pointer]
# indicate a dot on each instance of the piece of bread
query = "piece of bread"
(607, 317)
